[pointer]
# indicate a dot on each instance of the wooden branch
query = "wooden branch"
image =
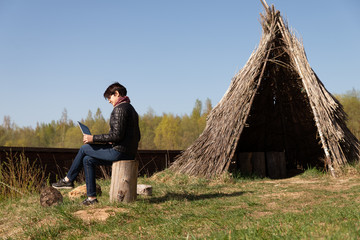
(266, 6)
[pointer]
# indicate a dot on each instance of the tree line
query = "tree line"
(167, 131)
(351, 103)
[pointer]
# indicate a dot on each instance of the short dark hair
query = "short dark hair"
(113, 88)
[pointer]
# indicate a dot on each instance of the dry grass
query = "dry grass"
(19, 177)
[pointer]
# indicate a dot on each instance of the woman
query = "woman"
(119, 144)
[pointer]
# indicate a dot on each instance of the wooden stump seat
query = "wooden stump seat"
(124, 181)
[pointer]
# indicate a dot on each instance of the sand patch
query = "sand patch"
(98, 214)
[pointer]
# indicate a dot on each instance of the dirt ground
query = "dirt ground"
(98, 214)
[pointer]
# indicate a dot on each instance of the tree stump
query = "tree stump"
(124, 181)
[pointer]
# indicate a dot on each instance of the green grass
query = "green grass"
(308, 206)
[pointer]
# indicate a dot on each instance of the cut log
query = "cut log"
(276, 164)
(143, 189)
(244, 160)
(259, 166)
(252, 163)
(124, 181)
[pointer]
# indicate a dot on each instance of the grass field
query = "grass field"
(309, 206)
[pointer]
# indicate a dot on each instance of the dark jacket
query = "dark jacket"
(124, 131)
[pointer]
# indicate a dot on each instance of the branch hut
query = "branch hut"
(275, 116)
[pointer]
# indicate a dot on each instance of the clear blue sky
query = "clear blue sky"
(57, 55)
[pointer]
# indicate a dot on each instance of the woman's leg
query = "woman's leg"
(77, 164)
(89, 169)
(98, 155)
(99, 151)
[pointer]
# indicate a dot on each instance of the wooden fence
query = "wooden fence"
(57, 161)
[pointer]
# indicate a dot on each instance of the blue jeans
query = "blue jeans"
(89, 156)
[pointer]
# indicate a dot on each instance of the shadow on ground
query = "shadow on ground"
(191, 197)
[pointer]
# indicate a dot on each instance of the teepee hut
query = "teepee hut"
(275, 116)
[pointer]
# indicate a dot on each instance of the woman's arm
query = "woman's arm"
(117, 127)
(88, 138)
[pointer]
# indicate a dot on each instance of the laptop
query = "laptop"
(84, 128)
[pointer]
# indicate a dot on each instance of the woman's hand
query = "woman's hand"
(87, 139)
